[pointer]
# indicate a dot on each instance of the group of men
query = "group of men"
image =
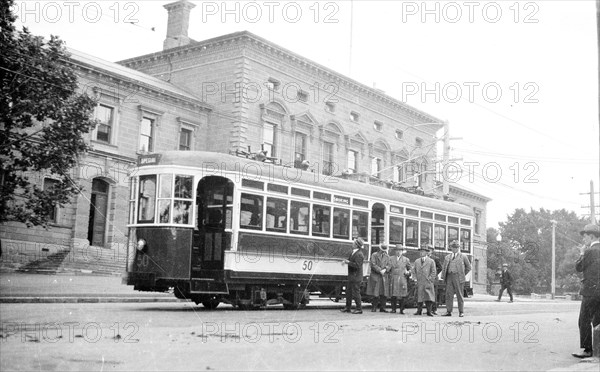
(390, 275)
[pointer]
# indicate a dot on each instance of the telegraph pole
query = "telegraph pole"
(592, 205)
(446, 154)
(553, 258)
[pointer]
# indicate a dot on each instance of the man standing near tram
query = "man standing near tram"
(378, 286)
(456, 267)
(399, 274)
(424, 272)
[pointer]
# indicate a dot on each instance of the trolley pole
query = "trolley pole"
(553, 258)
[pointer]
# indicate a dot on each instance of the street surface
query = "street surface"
(525, 335)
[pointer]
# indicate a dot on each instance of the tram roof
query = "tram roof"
(221, 162)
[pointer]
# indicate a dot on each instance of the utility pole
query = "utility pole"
(446, 156)
(553, 258)
(592, 205)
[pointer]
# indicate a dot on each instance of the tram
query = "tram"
(218, 228)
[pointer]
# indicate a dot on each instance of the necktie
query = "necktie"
(454, 256)
(422, 260)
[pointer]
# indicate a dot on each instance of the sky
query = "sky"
(517, 81)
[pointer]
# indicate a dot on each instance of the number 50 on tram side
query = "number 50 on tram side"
(220, 228)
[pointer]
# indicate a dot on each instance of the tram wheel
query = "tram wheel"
(211, 304)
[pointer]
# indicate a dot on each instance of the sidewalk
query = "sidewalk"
(18, 287)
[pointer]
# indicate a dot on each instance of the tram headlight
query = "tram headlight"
(141, 245)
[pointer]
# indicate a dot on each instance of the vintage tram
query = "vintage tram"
(216, 227)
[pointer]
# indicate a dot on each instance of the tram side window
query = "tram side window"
(164, 197)
(320, 220)
(182, 207)
(360, 223)
(452, 234)
(440, 237)
(251, 211)
(396, 230)
(341, 223)
(147, 199)
(299, 217)
(412, 233)
(426, 233)
(465, 240)
(276, 214)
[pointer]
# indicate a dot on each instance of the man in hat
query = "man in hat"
(456, 267)
(438, 269)
(424, 271)
(505, 282)
(400, 267)
(378, 287)
(589, 264)
(355, 277)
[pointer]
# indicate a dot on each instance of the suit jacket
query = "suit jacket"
(464, 266)
(355, 266)
(505, 278)
(378, 284)
(589, 264)
(424, 272)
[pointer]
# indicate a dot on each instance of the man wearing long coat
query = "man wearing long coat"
(424, 271)
(456, 267)
(378, 285)
(398, 277)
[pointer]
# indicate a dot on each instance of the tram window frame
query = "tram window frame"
(321, 221)
(453, 219)
(183, 202)
(396, 232)
(360, 224)
(465, 240)
(296, 205)
(272, 220)
(256, 214)
(422, 238)
(414, 240)
(436, 237)
(339, 225)
(150, 199)
(164, 199)
(412, 212)
(453, 228)
(133, 183)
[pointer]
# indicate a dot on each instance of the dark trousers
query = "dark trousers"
(353, 292)
(428, 305)
(453, 286)
(380, 302)
(589, 317)
(394, 301)
(507, 287)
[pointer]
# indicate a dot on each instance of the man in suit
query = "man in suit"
(399, 277)
(424, 271)
(589, 264)
(355, 277)
(456, 267)
(378, 285)
(505, 282)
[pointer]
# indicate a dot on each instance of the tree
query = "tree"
(42, 123)
(528, 237)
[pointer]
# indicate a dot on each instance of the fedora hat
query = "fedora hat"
(358, 242)
(591, 229)
(383, 247)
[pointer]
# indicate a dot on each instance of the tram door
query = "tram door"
(214, 204)
(377, 224)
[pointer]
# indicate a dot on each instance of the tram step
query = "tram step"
(203, 286)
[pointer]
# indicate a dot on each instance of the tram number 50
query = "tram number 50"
(307, 265)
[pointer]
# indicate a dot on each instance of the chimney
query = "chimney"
(178, 23)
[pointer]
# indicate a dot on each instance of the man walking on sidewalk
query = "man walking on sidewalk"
(506, 283)
(589, 264)
(456, 266)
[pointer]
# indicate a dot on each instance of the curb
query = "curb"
(39, 300)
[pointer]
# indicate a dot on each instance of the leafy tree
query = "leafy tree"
(527, 247)
(42, 122)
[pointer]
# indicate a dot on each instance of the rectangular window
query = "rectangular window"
(276, 214)
(299, 217)
(164, 197)
(49, 185)
(398, 173)
(182, 207)
(412, 233)
(185, 140)
(132, 194)
(321, 196)
(477, 213)
(251, 209)
(426, 233)
(146, 133)
(299, 149)
(301, 192)
(147, 199)
(269, 139)
(452, 234)
(360, 223)
(376, 166)
(105, 116)
(439, 241)
(465, 240)
(396, 230)
(277, 188)
(253, 184)
(328, 165)
(341, 223)
(321, 220)
(352, 161)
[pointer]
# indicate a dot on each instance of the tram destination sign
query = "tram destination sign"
(150, 159)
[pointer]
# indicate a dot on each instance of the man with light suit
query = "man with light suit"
(456, 267)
